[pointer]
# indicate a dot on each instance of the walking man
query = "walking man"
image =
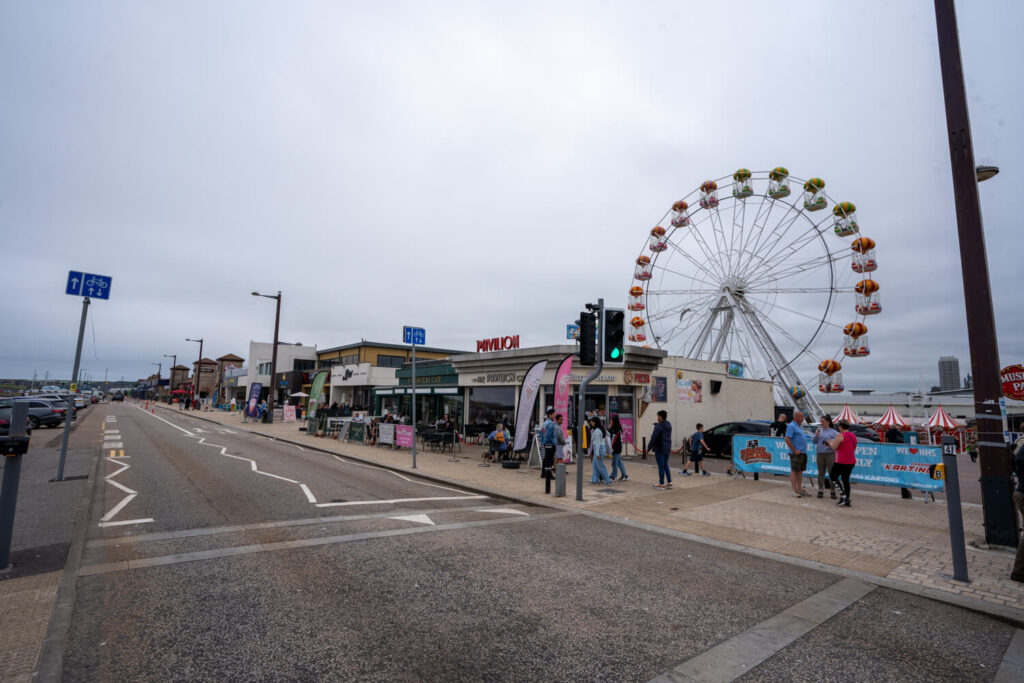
(697, 449)
(548, 441)
(661, 444)
(796, 442)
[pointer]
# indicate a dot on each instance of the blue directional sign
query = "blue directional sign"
(88, 284)
(416, 336)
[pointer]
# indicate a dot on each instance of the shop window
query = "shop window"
(489, 405)
(351, 359)
(263, 369)
(385, 361)
(326, 363)
(303, 365)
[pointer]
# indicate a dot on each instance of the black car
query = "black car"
(118, 396)
(5, 421)
(719, 437)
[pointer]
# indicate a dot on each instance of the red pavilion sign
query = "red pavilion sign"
(1012, 377)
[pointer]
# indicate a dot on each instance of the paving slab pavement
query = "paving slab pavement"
(897, 543)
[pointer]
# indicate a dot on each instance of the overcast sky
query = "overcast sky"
(477, 169)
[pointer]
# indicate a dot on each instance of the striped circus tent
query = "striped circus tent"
(942, 420)
(891, 419)
(848, 415)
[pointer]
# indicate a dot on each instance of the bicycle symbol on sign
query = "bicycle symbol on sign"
(93, 283)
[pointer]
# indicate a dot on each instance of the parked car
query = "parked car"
(41, 413)
(862, 432)
(118, 396)
(5, 421)
(66, 399)
(719, 437)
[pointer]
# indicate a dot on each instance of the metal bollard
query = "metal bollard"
(644, 442)
(956, 520)
(560, 480)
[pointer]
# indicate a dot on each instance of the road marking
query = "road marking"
(275, 476)
(503, 511)
(120, 506)
(736, 656)
(396, 500)
(241, 528)
(127, 521)
(419, 519)
(113, 444)
(105, 519)
(111, 431)
(309, 494)
(117, 454)
(126, 565)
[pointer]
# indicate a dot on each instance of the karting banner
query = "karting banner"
(527, 397)
(254, 397)
(883, 464)
(404, 436)
(562, 392)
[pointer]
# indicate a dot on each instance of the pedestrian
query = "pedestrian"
(778, 428)
(1018, 502)
(698, 446)
(824, 455)
(894, 435)
(548, 443)
(188, 402)
(845, 447)
(661, 444)
(972, 451)
(560, 440)
(796, 442)
(231, 407)
(598, 449)
(615, 432)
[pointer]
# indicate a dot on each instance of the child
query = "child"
(697, 448)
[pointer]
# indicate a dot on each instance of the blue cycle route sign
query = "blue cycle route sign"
(417, 336)
(88, 284)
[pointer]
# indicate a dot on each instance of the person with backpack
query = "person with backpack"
(615, 432)
(598, 449)
(697, 448)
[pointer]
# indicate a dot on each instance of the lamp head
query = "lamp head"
(256, 294)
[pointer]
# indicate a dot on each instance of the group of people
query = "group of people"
(834, 449)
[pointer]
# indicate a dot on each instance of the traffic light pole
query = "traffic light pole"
(581, 408)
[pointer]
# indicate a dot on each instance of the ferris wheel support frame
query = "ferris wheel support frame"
(773, 356)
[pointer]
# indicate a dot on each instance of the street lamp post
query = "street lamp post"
(1000, 518)
(170, 375)
(199, 370)
(159, 370)
(273, 355)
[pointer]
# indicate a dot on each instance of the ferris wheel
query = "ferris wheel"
(761, 277)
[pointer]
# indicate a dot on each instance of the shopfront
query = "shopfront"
(351, 385)
(437, 394)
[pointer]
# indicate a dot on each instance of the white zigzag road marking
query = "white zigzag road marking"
(105, 520)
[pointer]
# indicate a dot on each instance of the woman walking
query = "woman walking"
(844, 445)
(825, 455)
(615, 431)
(597, 453)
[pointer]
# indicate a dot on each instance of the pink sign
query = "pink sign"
(563, 391)
(403, 436)
(627, 429)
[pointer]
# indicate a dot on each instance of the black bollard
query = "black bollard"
(12, 447)
(644, 442)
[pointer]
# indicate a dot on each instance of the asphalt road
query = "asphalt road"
(240, 558)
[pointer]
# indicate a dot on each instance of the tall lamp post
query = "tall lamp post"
(1000, 518)
(199, 370)
(159, 370)
(273, 355)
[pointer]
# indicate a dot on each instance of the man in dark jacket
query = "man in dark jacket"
(778, 428)
(1018, 501)
(661, 444)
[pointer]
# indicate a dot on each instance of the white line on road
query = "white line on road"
(127, 521)
(503, 511)
(120, 506)
(397, 500)
(309, 494)
(419, 519)
(121, 486)
(399, 475)
(275, 476)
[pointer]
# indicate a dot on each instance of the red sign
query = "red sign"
(497, 344)
(1012, 378)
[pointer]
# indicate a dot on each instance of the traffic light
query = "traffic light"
(613, 329)
(588, 338)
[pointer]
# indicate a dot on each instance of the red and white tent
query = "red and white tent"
(848, 415)
(891, 419)
(942, 420)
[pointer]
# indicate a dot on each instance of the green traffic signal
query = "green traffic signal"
(616, 352)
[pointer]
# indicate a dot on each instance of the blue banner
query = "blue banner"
(882, 464)
(254, 398)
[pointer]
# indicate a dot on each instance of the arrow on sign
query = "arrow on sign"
(74, 282)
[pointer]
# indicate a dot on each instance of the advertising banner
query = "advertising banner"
(660, 390)
(688, 390)
(254, 397)
(627, 428)
(883, 464)
(563, 390)
(404, 436)
(355, 432)
(316, 391)
(386, 433)
(527, 397)
(289, 413)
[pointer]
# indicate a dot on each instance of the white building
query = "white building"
(290, 357)
(351, 384)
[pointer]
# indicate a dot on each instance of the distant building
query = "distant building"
(949, 373)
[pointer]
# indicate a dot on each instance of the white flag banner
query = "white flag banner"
(527, 397)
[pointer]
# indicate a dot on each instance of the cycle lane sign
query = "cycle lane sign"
(88, 284)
